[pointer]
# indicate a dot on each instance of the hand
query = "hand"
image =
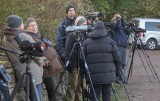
(46, 64)
(119, 16)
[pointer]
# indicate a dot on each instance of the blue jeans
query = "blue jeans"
(32, 95)
(122, 51)
(39, 90)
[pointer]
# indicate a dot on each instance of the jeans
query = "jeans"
(39, 90)
(122, 51)
(31, 92)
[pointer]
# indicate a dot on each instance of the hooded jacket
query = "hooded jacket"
(61, 35)
(10, 43)
(119, 33)
(102, 55)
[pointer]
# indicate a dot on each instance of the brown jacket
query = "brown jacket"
(55, 64)
(11, 44)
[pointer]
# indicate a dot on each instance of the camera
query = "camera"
(84, 28)
(27, 46)
(109, 24)
(133, 27)
(32, 49)
(93, 15)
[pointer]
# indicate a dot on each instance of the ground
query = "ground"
(142, 87)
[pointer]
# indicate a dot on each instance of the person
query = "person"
(60, 38)
(61, 34)
(74, 89)
(15, 28)
(103, 61)
(52, 68)
(120, 37)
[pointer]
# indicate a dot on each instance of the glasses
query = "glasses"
(33, 25)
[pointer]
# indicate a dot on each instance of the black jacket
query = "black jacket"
(61, 34)
(72, 38)
(102, 56)
(120, 35)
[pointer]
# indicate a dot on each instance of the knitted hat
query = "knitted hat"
(68, 7)
(29, 20)
(80, 20)
(14, 21)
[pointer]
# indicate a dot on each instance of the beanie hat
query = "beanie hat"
(29, 20)
(68, 7)
(80, 20)
(14, 21)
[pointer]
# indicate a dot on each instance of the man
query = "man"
(13, 30)
(61, 34)
(74, 90)
(120, 37)
(103, 61)
(51, 68)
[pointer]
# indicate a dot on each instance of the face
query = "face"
(32, 27)
(71, 13)
(83, 24)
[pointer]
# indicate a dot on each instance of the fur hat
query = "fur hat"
(68, 7)
(29, 20)
(14, 21)
(80, 20)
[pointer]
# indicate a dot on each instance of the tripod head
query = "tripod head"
(135, 30)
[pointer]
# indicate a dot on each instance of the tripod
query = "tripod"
(77, 46)
(134, 45)
(30, 82)
(124, 81)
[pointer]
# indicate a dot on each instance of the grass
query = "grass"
(119, 92)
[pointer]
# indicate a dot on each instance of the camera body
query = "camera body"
(93, 15)
(84, 28)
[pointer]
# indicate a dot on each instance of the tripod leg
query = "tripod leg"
(131, 64)
(34, 87)
(59, 82)
(27, 86)
(86, 68)
(144, 65)
(114, 92)
(146, 58)
(15, 90)
(124, 80)
(150, 61)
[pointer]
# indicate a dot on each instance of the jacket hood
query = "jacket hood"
(99, 31)
(10, 33)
